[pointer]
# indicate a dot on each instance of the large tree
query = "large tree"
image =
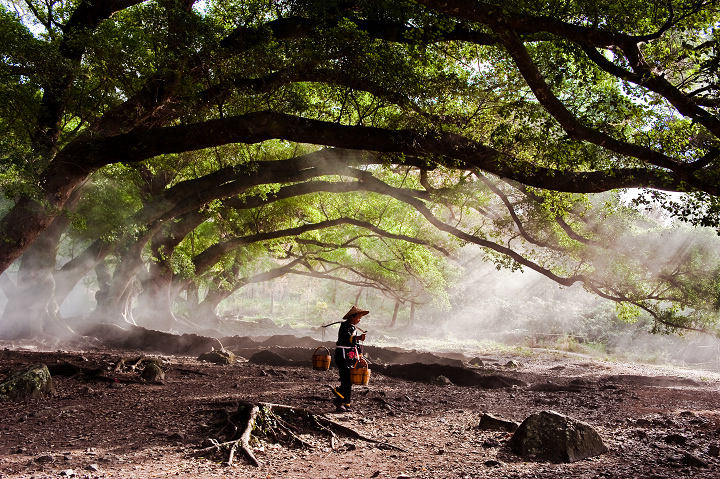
(571, 96)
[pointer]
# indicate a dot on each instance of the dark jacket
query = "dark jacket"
(346, 334)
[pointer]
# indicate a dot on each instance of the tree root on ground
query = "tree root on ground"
(276, 423)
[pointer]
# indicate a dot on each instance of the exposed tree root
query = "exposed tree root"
(276, 423)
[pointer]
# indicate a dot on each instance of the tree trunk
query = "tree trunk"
(154, 305)
(77, 268)
(395, 313)
(193, 295)
(412, 313)
(206, 313)
(32, 308)
(116, 305)
(7, 284)
(29, 218)
(357, 297)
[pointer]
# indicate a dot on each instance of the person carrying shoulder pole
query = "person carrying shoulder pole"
(346, 353)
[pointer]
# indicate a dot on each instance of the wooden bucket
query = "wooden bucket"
(359, 373)
(321, 360)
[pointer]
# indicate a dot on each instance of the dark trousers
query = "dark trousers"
(343, 365)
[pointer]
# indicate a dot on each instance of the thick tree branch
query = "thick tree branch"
(567, 120)
(643, 75)
(260, 126)
(216, 294)
(489, 14)
(295, 27)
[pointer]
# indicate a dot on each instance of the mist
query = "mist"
(484, 307)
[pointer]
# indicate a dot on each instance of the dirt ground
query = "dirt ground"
(657, 423)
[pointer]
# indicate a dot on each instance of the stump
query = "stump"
(276, 423)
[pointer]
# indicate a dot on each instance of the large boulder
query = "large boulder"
(31, 382)
(218, 357)
(153, 373)
(557, 438)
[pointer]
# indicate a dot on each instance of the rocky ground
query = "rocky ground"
(104, 421)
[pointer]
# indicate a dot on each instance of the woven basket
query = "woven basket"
(359, 373)
(320, 359)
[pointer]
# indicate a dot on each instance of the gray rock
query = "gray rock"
(442, 381)
(693, 461)
(675, 438)
(512, 364)
(490, 443)
(714, 450)
(476, 362)
(31, 382)
(555, 437)
(153, 373)
(218, 357)
(488, 422)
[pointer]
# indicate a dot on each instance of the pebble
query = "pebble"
(693, 461)
(714, 450)
(94, 468)
(67, 473)
(675, 439)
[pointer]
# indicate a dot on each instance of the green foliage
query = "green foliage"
(108, 202)
(456, 106)
(628, 313)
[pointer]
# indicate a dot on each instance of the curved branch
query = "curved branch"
(656, 317)
(511, 210)
(211, 255)
(489, 14)
(215, 295)
(362, 284)
(382, 188)
(643, 76)
(446, 147)
(567, 120)
(295, 27)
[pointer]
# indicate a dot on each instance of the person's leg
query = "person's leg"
(345, 384)
(344, 373)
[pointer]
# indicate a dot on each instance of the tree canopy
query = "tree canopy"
(174, 141)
